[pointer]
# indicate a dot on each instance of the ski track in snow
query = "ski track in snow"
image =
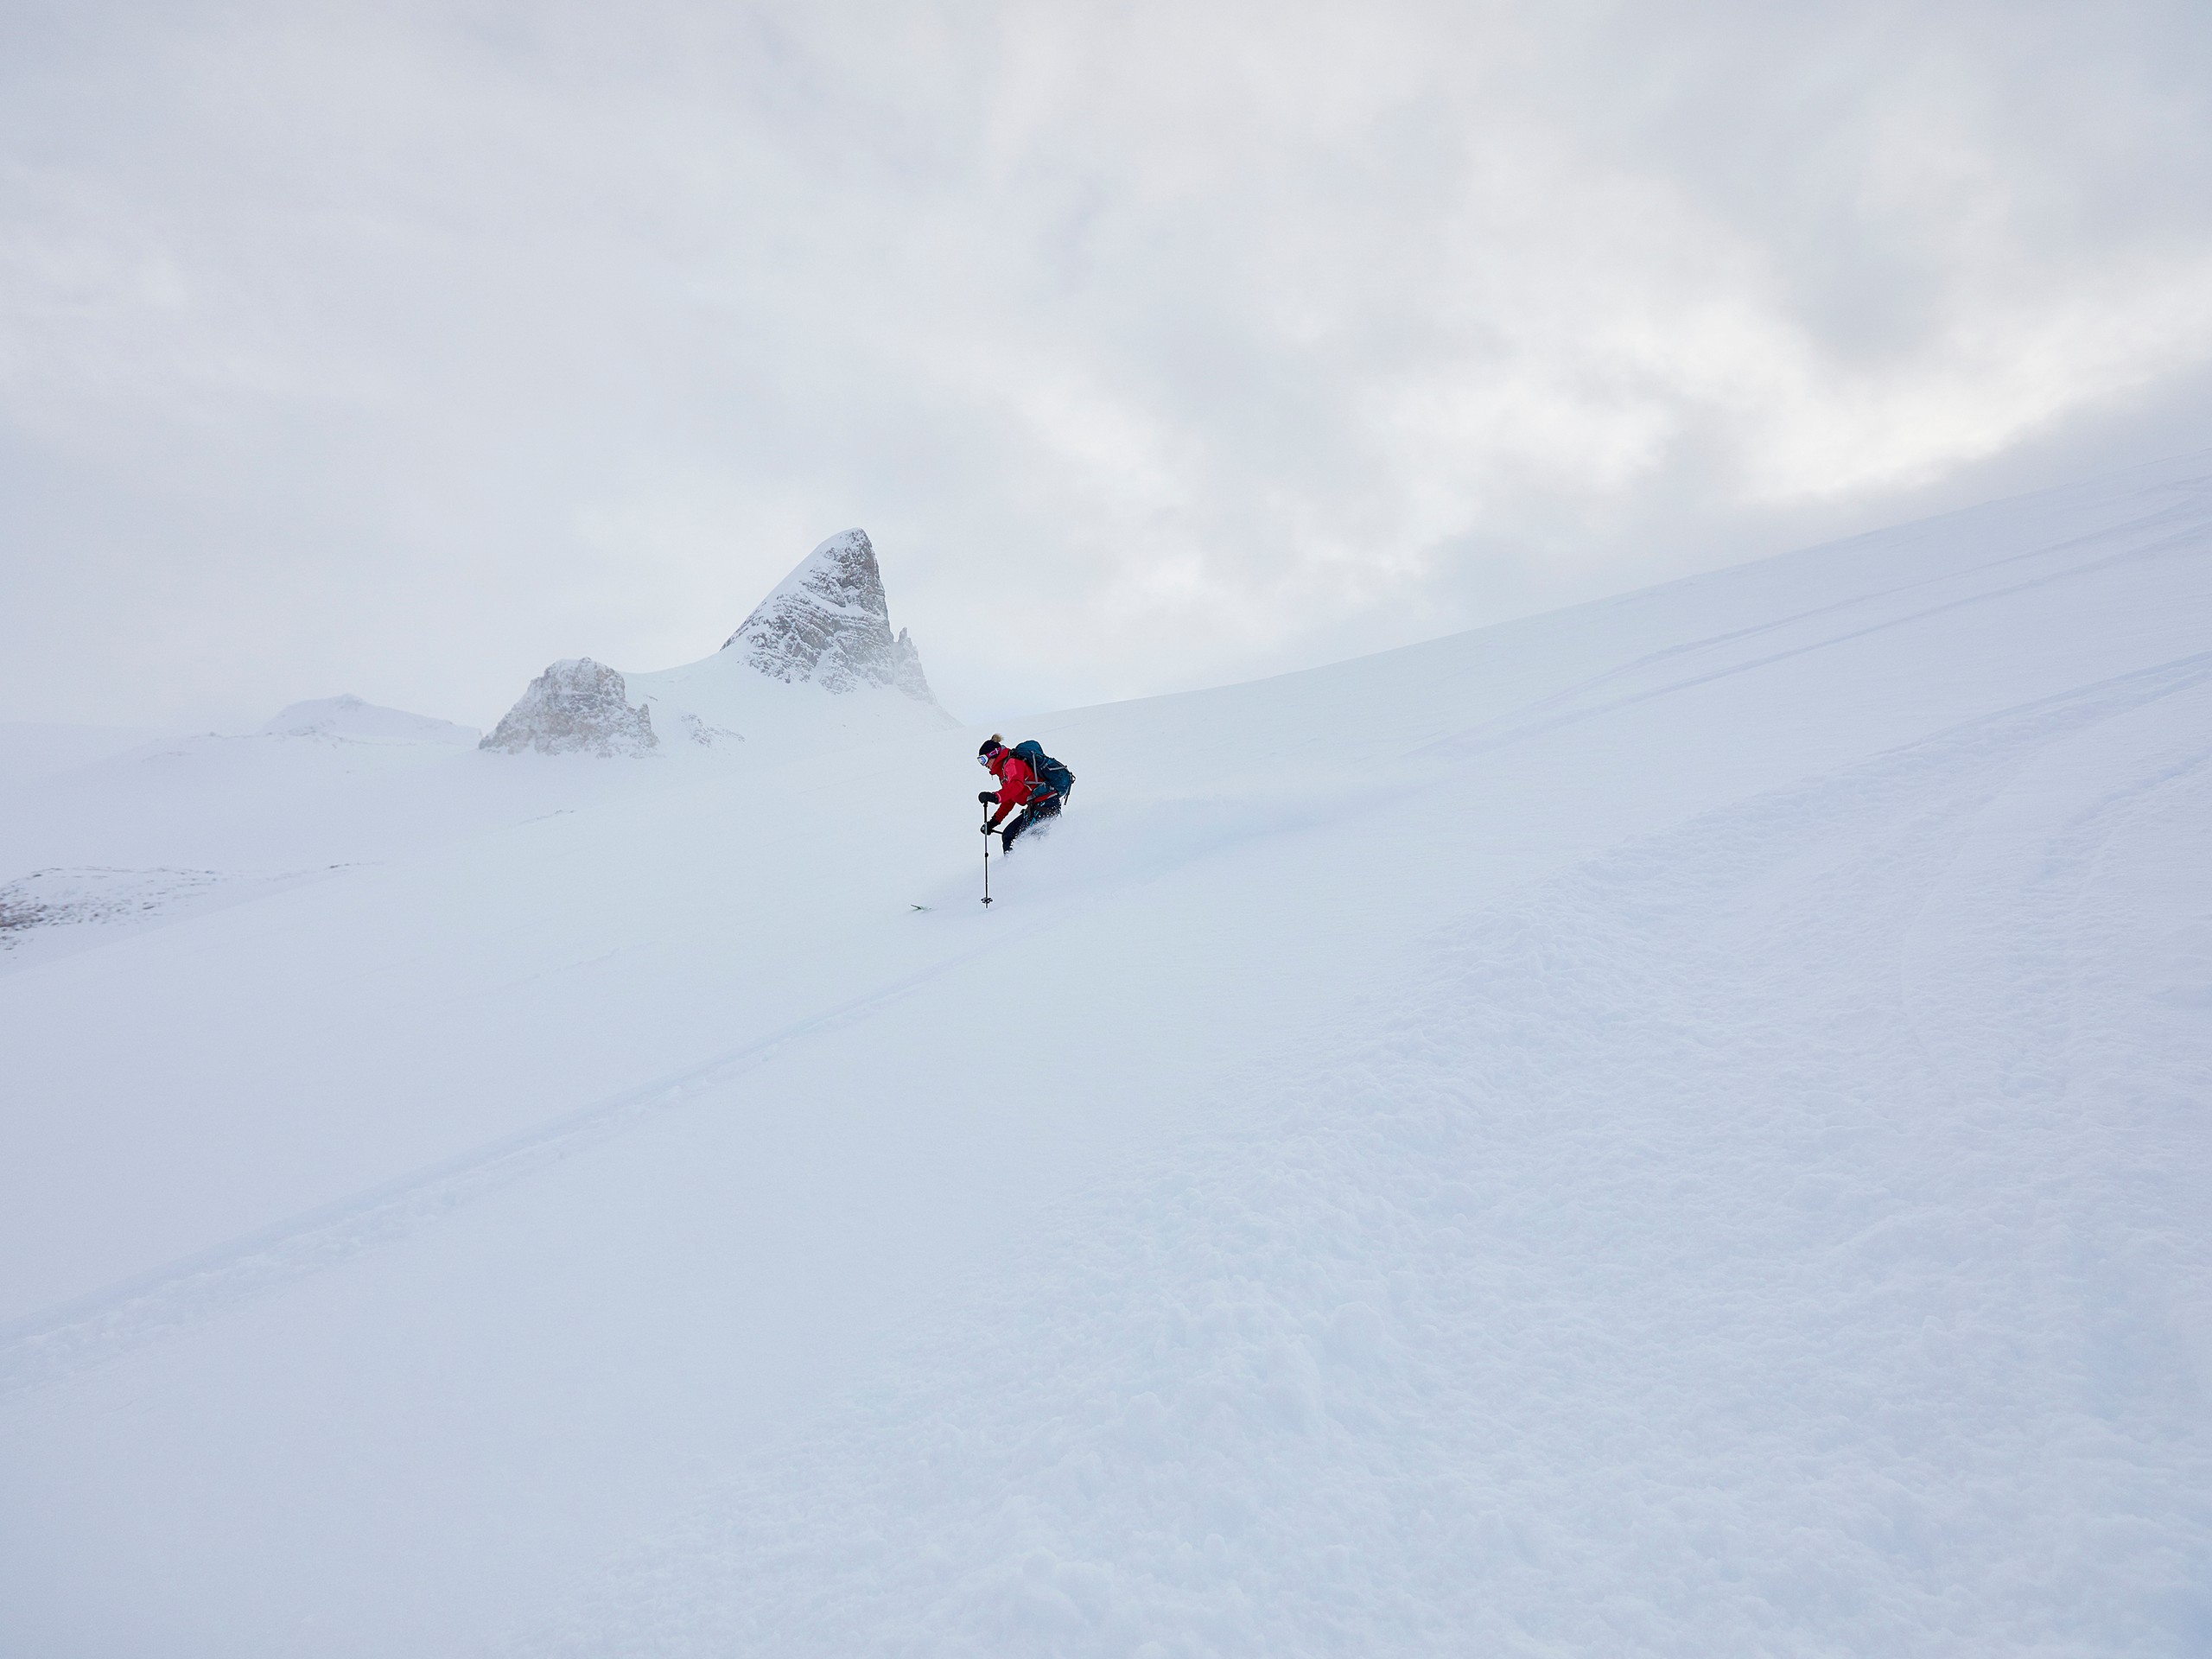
(57, 1343)
(1522, 728)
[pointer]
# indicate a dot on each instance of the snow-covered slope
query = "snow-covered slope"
(1674, 1126)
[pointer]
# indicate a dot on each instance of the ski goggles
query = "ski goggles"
(984, 760)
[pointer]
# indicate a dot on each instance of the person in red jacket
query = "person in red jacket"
(1017, 786)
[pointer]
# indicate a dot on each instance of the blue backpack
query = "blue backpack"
(1056, 777)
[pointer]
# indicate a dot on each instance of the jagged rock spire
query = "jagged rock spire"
(829, 622)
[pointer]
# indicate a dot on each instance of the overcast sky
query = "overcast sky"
(401, 347)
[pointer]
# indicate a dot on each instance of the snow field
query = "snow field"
(1673, 1127)
(1634, 1285)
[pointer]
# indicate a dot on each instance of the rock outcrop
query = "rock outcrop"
(827, 622)
(575, 706)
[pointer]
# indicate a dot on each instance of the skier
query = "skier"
(1029, 778)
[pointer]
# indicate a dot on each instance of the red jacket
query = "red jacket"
(1016, 782)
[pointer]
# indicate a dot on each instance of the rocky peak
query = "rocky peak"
(575, 706)
(827, 622)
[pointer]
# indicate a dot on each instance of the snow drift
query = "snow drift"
(1675, 1126)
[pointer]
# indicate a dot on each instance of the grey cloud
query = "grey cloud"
(403, 349)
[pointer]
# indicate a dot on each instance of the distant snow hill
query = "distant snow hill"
(348, 719)
(1676, 1127)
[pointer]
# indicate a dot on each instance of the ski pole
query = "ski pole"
(987, 859)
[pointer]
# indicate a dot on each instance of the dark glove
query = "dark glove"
(987, 797)
(987, 828)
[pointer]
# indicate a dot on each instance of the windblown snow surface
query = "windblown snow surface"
(1676, 1127)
